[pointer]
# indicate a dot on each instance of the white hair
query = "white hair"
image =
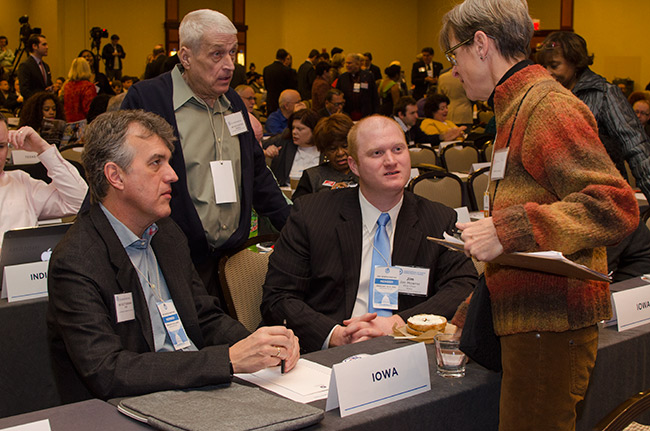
(196, 23)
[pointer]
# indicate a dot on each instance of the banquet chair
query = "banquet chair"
(646, 217)
(440, 187)
(457, 158)
(486, 151)
(478, 182)
(422, 156)
(242, 274)
(622, 417)
(630, 177)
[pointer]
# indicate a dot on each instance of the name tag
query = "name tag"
(235, 123)
(328, 183)
(364, 85)
(385, 287)
(26, 281)
(379, 379)
(173, 324)
(22, 157)
(422, 69)
(124, 310)
(499, 159)
(357, 87)
(223, 180)
(413, 280)
(631, 307)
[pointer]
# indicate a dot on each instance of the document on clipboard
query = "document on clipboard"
(552, 262)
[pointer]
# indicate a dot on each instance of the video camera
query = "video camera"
(26, 30)
(96, 34)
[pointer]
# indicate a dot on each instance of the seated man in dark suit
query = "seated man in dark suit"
(334, 103)
(128, 313)
(320, 273)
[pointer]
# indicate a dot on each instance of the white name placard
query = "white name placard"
(22, 157)
(26, 281)
(43, 425)
(631, 307)
(379, 379)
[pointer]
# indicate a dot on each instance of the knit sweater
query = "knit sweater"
(560, 192)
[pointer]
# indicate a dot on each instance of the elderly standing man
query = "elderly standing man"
(551, 188)
(221, 169)
(128, 313)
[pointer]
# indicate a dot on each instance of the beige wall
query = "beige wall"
(390, 31)
(617, 35)
(67, 24)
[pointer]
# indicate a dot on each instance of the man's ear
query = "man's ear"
(114, 174)
(353, 165)
(184, 55)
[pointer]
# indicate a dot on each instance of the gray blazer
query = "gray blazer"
(92, 354)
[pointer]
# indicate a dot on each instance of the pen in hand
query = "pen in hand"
(284, 322)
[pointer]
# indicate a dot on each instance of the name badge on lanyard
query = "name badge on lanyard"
(223, 180)
(385, 287)
(499, 159)
(173, 324)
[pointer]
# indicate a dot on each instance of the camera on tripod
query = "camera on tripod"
(26, 30)
(96, 34)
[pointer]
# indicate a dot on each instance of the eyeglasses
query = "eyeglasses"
(548, 45)
(637, 112)
(451, 57)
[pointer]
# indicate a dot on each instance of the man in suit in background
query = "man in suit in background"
(113, 53)
(376, 72)
(319, 276)
(34, 74)
(405, 112)
(307, 75)
(155, 68)
(424, 73)
(127, 312)
(334, 103)
(359, 89)
(278, 76)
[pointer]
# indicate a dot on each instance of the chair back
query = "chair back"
(487, 149)
(242, 274)
(630, 177)
(625, 413)
(478, 182)
(422, 156)
(440, 187)
(456, 158)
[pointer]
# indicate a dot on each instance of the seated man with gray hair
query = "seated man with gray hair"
(128, 314)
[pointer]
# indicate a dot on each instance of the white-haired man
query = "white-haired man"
(221, 170)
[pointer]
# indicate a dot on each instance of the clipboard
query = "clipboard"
(552, 262)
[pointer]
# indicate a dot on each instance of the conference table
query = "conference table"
(468, 403)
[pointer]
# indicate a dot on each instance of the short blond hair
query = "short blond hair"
(79, 70)
(353, 134)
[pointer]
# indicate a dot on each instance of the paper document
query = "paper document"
(552, 262)
(307, 382)
(43, 425)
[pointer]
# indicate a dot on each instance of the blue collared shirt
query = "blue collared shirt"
(152, 280)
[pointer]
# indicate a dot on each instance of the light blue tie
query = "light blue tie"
(380, 257)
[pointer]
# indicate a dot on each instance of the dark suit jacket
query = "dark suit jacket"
(366, 101)
(417, 136)
(314, 271)
(306, 77)
(418, 75)
(155, 68)
(109, 58)
(89, 267)
(277, 78)
(376, 71)
(31, 78)
(259, 189)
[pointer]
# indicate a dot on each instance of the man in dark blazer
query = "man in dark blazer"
(208, 84)
(113, 54)
(358, 86)
(424, 73)
(307, 75)
(34, 74)
(278, 76)
(319, 273)
(122, 264)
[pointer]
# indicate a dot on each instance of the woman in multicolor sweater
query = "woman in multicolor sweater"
(558, 190)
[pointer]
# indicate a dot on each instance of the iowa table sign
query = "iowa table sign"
(631, 307)
(379, 379)
(26, 281)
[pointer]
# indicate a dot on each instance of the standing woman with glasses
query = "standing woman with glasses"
(552, 187)
(564, 55)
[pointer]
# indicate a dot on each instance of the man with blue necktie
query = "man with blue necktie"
(335, 272)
